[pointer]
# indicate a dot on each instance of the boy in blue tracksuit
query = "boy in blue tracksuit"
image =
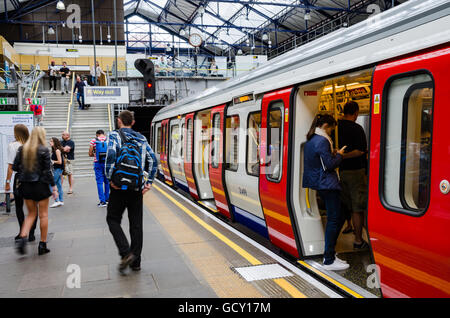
(97, 149)
(122, 198)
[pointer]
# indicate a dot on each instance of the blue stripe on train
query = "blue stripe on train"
(181, 186)
(251, 221)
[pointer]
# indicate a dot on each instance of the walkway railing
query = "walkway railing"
(70, 108)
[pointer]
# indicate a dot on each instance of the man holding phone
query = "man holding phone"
(353, 169)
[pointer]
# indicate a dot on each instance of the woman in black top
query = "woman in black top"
(58, 168)
(36, 177)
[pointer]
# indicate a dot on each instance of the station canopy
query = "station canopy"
(247, 25)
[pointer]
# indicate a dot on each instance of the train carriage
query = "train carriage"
(238, 147)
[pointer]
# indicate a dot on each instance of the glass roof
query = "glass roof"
(222, 23)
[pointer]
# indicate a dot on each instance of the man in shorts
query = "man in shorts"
(353, 169)
(69, 150)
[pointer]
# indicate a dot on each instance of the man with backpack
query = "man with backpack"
(97, 149)
(131, 167)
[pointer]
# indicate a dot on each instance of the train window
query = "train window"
(158, 140)
(182, 141)
(232, 137)
(215, 142)
(175, 141)
(253, 130)
(407, 149)
(189, 140)
(274, 140)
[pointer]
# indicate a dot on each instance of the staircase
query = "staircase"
(55, 118)
(84, 125)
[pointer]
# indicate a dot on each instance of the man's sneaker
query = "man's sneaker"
(102, 204)
(361, 246)
(125, 262)
(335, 266)
(56, 204)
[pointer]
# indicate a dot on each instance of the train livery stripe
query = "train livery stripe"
(331, 280)
(251, 259)
(413, 273)
(277, 216)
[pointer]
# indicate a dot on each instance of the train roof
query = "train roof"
(409, 27)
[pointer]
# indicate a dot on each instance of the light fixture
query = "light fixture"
(182, 32)
(63, 24)
(60, 5)
(265, 37)
(168, 47)
(239, 52)
(51, 31)
(201, 9)
(80, 38)
(307, 16)
(108, 37)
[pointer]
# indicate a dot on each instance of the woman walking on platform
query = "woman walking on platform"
(21, 135)
(33, 160)
(58, 168)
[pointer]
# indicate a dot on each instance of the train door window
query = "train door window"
(232, 137)
(175, 141)
(158, 140)
(182, 141)
(215, 142)
(407, 148)
(189, 140)
(253, 130)
(163, 139)
(274, 144)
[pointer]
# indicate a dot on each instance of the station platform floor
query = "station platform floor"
(187, 253)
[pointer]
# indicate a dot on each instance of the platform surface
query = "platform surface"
(185, 255)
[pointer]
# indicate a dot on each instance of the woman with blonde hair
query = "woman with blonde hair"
(36, 177)
(21, 135)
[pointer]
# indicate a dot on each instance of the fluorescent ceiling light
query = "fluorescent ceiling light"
(60, 5)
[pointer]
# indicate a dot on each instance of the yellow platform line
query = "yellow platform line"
(331, 280)
(251, 259)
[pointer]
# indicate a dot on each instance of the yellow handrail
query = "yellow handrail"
(71, 101)
(109, 106)
(33, 95)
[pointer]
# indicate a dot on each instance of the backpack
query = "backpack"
(100, 150)
(127, 173)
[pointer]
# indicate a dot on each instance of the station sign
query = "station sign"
(8, 101)
(36, 101)
(106, 95)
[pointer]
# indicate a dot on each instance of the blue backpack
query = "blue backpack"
(127, 173)
(100, 150)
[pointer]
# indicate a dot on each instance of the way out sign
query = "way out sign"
(106, 95)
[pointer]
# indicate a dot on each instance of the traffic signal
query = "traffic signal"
(147, 69)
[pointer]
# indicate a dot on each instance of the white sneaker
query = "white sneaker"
(61, 203)
(55, 205)
(339, 260)
(335, 266)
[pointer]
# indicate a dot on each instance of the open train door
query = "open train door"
(188, 154)
(165, 151)
(273, 179)
(216, 165)
(409, 204)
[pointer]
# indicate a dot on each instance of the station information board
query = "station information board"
(7, 122)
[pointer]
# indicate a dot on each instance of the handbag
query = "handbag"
(66, 163)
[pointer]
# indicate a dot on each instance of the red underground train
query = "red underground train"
(237, 148)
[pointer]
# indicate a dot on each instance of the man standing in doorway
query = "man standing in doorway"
(69, 150)
(65, 78)
(353, 169)
(127, 191)
(98, 149)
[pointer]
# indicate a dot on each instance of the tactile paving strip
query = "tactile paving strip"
(260, 272)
